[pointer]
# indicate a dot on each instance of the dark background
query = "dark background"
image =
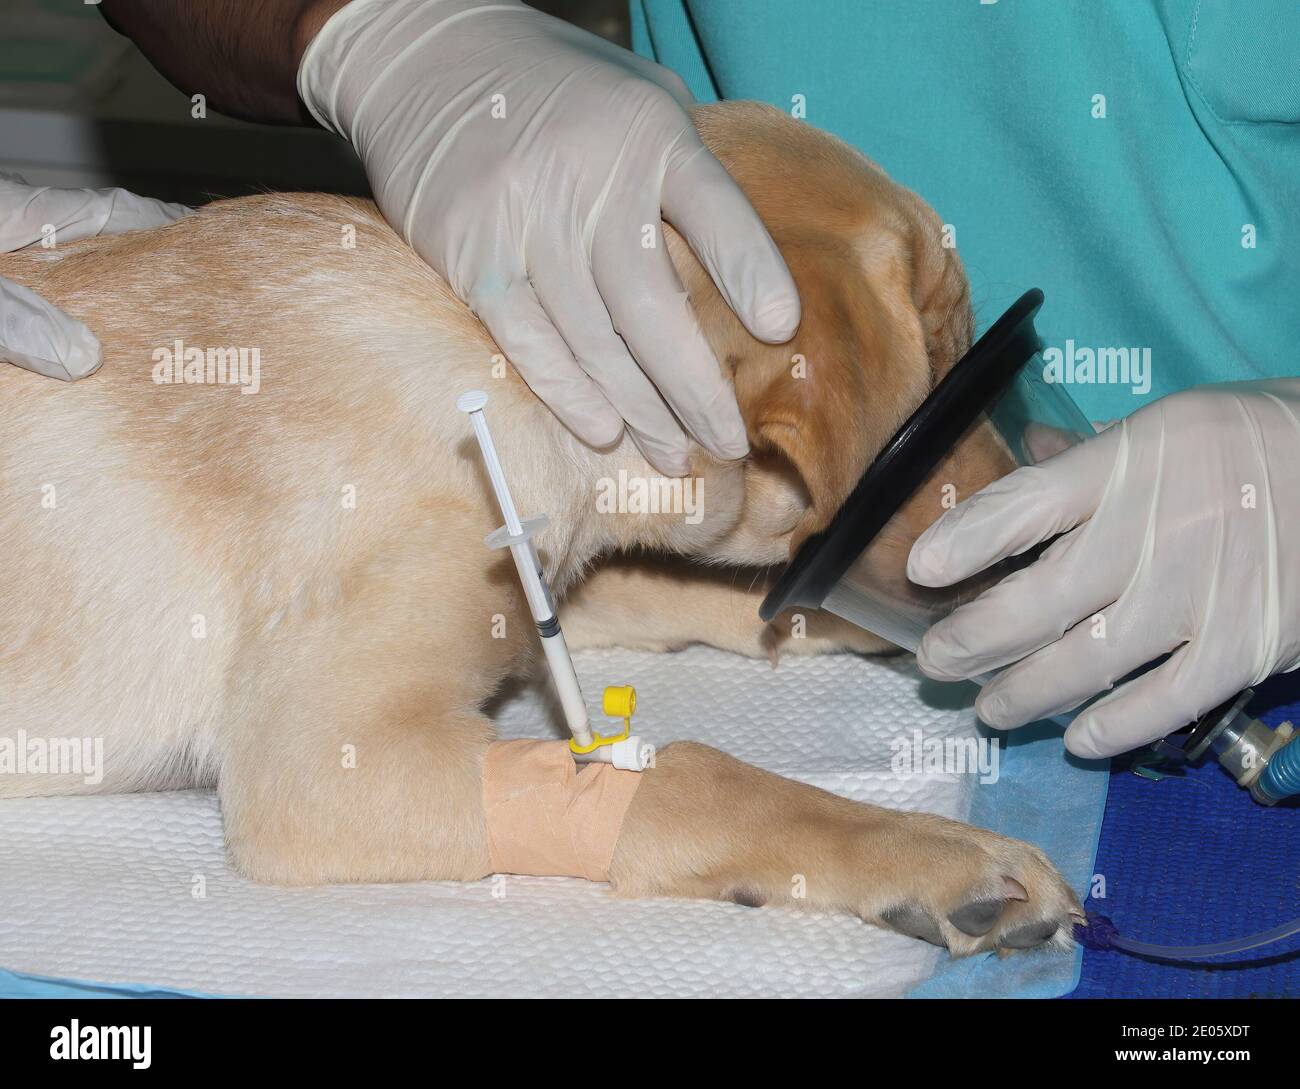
(80, 106)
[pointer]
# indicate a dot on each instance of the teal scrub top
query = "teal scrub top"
(1139, 160)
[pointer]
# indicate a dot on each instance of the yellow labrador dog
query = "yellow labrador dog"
(234, 588)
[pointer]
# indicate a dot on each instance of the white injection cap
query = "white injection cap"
(630, 754)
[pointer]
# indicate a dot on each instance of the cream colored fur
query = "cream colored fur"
(286, 594)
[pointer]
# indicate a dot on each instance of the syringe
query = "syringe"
(624, 750)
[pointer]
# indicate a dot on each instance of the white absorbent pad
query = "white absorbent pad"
(136, 890)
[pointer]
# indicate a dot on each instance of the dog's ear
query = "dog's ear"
(940, 291)
(885, 310)
(830, 399)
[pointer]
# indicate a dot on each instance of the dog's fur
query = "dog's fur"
(324, 538)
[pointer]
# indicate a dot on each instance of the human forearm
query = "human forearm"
(243, 55)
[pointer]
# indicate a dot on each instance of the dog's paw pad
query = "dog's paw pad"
(915, 922)
(977, 918)
(961, 893)
(746, 897)
(1029, 935)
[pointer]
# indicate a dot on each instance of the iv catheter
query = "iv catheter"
(624, 750)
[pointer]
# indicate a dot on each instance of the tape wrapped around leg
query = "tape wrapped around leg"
(547, 818)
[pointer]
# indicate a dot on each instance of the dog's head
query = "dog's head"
(886, 313)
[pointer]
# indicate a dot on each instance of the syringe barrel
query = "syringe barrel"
(566, 682)
(540, 602)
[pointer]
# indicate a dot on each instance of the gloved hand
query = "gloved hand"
(33, 333)
(527, 161)
(1181, 532)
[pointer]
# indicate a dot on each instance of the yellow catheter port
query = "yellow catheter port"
(619, 701)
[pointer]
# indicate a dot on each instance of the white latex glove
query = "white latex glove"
(526, 161)
(1182, 533)
(33, 333)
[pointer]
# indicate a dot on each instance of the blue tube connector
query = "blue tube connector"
(1281, 775)
(1266, 762)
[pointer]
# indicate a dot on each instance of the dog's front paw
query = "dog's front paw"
(703, 824)
(969, 890)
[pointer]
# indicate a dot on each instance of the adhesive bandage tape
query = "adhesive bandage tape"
(547, 818)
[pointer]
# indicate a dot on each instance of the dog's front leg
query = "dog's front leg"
(706, 825)
(651, 602)
(358, 752)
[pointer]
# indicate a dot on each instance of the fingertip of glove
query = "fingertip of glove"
(670, 462)
(924, 565)
(926, 663)
(84, 355)
(83, 366)
(602, 430)
(776, 320)
(720, 430)
(732, 448)
(992, 711)
(942, 655)
(1080, 741)
(666, 457)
